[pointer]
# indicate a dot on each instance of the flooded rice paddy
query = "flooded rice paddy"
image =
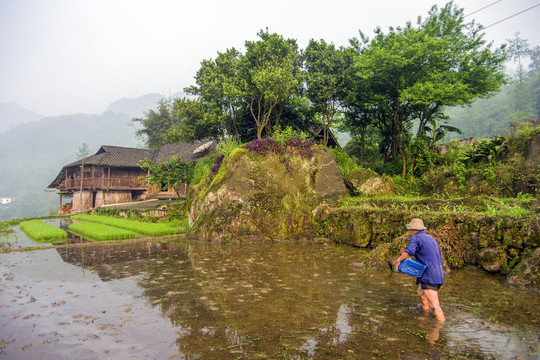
(192, 300)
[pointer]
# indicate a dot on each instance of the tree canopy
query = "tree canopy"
(415, 72)
(394, 87)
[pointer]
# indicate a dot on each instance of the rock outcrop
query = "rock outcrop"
(264, 196)
(492, 260)
(367, 182)
(527, 272)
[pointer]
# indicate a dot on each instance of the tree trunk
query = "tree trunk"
(404, 159)
(363, 145)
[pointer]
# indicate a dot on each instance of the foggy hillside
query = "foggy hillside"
(12, 115)
(138, 106)
(135, 107)
(32, 153)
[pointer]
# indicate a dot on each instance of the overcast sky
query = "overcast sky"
(69, 56)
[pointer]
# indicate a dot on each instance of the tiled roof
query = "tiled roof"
(117, 156)
(183, 150)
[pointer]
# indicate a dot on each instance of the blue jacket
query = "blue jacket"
(426, 249)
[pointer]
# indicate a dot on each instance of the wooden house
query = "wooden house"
(317, 134)
(112, 175)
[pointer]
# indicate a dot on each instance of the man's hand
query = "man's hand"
(401, 258)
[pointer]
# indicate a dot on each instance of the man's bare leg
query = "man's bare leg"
(423, 298)
(433, 300)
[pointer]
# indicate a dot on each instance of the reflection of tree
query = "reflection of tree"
(172, 286)
(113, 261)
(247, 299)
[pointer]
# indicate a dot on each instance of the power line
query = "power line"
(485, 7)
(511, 16)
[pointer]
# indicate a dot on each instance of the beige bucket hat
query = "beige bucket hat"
(416, 224)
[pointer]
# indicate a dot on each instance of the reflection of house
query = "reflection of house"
(112, 174)
(118, 261)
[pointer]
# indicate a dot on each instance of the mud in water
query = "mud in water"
(193, 300)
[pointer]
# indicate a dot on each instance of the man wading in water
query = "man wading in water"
(426, 249)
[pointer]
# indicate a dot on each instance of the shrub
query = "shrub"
(521, 140)
(489, 174)
(460, 172)
(344, 162)
(217, 164)
(268, 146)
(264, 147)
(202, 167)
(226, 146)
(282, 136)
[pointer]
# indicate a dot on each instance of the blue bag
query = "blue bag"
(412, 267)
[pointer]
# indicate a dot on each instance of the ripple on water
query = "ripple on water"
(193, 299)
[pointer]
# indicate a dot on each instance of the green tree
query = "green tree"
(171, 174)
(269, 76)
(535, 59)
(195, 122)
(326, 74)
(217, 88)
(357, 102)
(415, 72)
(518, 50)
(156, 124)
(82, 153)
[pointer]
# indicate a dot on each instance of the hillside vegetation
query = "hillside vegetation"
(33, 153)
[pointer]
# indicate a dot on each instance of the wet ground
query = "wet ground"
(191, 300)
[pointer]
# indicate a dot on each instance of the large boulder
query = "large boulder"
(264, 196)
(533, 154)
(527, 272)
(367, 182)
(492, 260)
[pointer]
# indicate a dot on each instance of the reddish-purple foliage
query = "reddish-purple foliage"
(263, 146)
(266, 146)
(299, 147)
(217, 163)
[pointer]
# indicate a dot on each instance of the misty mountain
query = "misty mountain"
(137, 107)
(32, 153)
(12, 115)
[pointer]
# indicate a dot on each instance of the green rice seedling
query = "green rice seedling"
(100, 231)
(148, 229)
(181, 224)
(38, 230)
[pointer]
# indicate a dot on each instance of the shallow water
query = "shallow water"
(18, 238)
(193, 300)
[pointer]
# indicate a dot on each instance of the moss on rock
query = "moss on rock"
(264, 196)
(492, 260)
(527, 272)
(366, 182)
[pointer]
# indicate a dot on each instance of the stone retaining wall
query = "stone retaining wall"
(494, 243)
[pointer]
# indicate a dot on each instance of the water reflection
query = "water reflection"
(298, 301)
(291, 301)
(120, 260)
